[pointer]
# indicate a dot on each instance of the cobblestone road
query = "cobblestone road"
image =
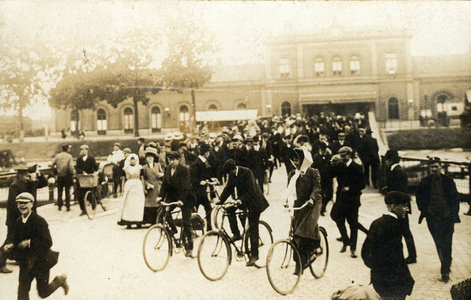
(104, 261)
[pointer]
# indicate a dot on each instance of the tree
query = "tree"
(114, 70)
(27, 72)
(191, 50)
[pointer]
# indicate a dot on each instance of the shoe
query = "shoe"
(445, 278)
(411, 260)
(115, 195)
(467, 213)
(59, 208)
(82, 214)
(68, 208)
(339, 239)
(252, 261)
(188, 253)
(236, 238)
(344, 248)
(64, 284)
(322, 213)
(352, 254)
(128, 226)
(5, 270)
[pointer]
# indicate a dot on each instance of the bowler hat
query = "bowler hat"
(205, 148)
(391, 154)
(25, 197)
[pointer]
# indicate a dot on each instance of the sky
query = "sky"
(242, 27)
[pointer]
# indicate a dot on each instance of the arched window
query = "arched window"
(128, 120)
(354, 65)
(337, 66)
(393, 109)
(101, 124)
(319, 67)
(184, 119)
(241, 105)
(74, 119)
(441, 103)
(212, 107)
(156, 119)
(285, 109)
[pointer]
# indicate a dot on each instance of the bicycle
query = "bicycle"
(283, 256)
(90, 182)
(160, 242)
(214, 250)
(109, 177)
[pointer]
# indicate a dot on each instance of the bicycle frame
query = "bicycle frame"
(240, 251)
(177, 242)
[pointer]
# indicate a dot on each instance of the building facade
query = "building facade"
(335, 71)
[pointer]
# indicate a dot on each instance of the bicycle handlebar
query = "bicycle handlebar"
(178, 203)
(296, 208)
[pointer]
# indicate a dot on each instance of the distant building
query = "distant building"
(337, 71)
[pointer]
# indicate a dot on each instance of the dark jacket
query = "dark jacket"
(353, 178)
(247, 190)
(382, 252)
(178, 186)
(397, 181)
(257, 161)
(451, 195)
(368, 149)
(36, 229)
(88, 166)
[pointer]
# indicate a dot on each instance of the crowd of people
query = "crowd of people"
(322, 155)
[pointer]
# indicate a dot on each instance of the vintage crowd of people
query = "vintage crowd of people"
(322, 155)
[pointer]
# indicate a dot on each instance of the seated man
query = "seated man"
(176, 186)
(242, 183)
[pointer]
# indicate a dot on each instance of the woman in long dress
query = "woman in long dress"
(131, 208)
(152, 174)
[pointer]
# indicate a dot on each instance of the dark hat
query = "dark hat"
(66, 147)
(117, 144)
(205, 148)
(396, 197)
(323, 145)
(228, 166)
(141, 139)
(345, 150)
(249, 139)
(25, 197)
(433, 160)
(368, 130)
(173, 155)
(391, 154)
(22, 170)
(256, 139)
(127, 150)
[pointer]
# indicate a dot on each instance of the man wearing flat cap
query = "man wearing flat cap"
(350, 181)
(22, 183)
(438, 202)
(30, 243)
(86, 164)
(382, 250)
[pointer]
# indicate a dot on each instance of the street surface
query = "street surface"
(104, 261)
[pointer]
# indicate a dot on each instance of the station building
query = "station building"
(337, 70)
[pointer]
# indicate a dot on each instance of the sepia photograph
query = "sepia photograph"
(235, 150)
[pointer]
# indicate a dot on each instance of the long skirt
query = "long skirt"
(131, 208)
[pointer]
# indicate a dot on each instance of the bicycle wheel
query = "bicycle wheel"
(157, 248)
(281, 267)
(218, 218)
(265, 240)
(105, 196)
(321, 257)
(214, 255)
(90, 204)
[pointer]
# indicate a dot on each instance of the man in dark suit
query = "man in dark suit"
(31, 242)
(201, 171)
(258, 161)
(438, 202)
(176, 186)
(86, 164)
(350, 181)
(22, 183)
(397, 181)
(368, 152)
(321, 162)
(382, 250)
(242, 186)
